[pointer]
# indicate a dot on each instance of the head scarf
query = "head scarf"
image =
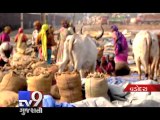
(104, 58)
(118, 34)
(114, 28)
(7, 29)
(20, 30)
(43, 34)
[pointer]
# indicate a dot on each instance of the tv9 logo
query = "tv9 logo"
(30, 98)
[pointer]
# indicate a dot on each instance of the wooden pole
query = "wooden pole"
(21, 19)
(73, 18)
(43, 18)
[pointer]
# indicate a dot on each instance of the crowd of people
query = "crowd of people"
(43, 40)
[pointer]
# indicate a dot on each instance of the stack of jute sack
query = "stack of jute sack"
(96, 86)
(8, 99)
(19, 59)
(27, 74)
(10, 84)
(96, 92)
(69, 86)
(42, 79)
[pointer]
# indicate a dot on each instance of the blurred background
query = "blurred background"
(26, 20)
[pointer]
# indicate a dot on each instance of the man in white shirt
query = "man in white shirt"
(37, 27)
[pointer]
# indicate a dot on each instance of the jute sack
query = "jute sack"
(39, 70)
(8, 99)
(55, 92)
(67, 80)
(70, 100)
(20, 60)
(69, 85)
(52, 69)
(39, 64)
(42, 82)
(13, 82)
(21, 50)
(17, 56)
(1, 75)
(96, 86)
(74, 91)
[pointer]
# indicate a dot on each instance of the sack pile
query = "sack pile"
(96, 86)
(12, 82)
(42, 82)
(69, 85)
(8, 99)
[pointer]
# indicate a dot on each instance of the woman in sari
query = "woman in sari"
(47, 39)
(4, 37)
(21, 40)
(50, 43)
(121, 52)
(102, 67)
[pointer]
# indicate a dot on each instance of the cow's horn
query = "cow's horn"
(99, 36)
(81, 30)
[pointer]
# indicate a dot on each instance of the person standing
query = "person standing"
(37, 27)
(63, 33)
(121, 52)
(47, 39)
(50, 43)
(72, 28)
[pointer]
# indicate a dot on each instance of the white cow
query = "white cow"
(81, 51)
(146, 52)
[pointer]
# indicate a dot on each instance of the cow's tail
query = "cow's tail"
(148, 46)
(71, 48)
(149, 43)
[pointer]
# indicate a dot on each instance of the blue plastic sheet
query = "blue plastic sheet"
(120, 80)
(48, 101)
